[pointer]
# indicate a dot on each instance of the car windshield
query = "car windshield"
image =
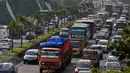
(112, 60)
(50, 53)
(64, 30)
(4, 68)
(95, 47)
(31, 53)
(84, 64)
(117, 38)
(102, 43)
(113, 66)
(75, 44)
(100, 37)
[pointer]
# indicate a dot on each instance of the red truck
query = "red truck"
(55, 54)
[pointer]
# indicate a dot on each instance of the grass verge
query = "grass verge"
(32, 42)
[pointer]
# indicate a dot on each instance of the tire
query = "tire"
(40, 70)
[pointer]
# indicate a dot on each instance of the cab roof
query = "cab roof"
(50, 48)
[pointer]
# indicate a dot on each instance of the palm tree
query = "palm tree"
(21, 20)
(51, 14)
(39, 22)
(59, 14)
(13, 27)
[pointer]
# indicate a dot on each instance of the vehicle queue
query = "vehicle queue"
(107, 29)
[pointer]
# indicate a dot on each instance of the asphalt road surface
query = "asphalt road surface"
(28, 68)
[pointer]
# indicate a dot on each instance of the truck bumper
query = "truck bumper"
(50, 67)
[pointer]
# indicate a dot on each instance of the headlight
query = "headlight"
(42, 63)
(56, 64)
(25, 57)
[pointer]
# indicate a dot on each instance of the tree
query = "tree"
(51, 14)
(21, 20)
(39, 21)
(95, 70)
(13, 27)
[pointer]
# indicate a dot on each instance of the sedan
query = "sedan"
(8, 68)
(116, 38)
(83, 64)
(31, 56)
(109, 66)
(30, 35)
(112, 59)
(103, 43)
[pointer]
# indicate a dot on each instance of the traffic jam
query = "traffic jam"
(87, 39)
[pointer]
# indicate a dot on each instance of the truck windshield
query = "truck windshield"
(50, 54)
(77, 33)
(75, 44)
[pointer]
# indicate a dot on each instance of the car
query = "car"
(83, 64)
(98, 48)
(116, 38)
(31, 56)
(109, 66)
(84, 72)
(6, 40)
(8, 68)
(103, 43)
(30, 35)
(50, 25)
(64, 32)
(100, 36)
(5, 45)
(112, 58)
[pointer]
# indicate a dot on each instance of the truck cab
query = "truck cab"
(55, 54)
(93, 55)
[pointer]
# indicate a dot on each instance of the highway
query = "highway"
(28, 68)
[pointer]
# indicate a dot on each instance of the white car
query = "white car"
(113, 66)
(112, 58)
(103, 44)
(64, 32)
(116, 38)
(31, 56)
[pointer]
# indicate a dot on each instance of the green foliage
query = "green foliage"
(95, 70)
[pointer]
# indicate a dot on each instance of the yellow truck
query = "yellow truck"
(79, 37)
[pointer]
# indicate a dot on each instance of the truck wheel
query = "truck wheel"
(41, 70)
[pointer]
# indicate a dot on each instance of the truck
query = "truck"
(109, 8)
(55, 54)
(91, 28)
(118, 9)
(79, 37)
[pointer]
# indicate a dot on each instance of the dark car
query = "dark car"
(31, 56)
(8, 68)
(30, 35)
